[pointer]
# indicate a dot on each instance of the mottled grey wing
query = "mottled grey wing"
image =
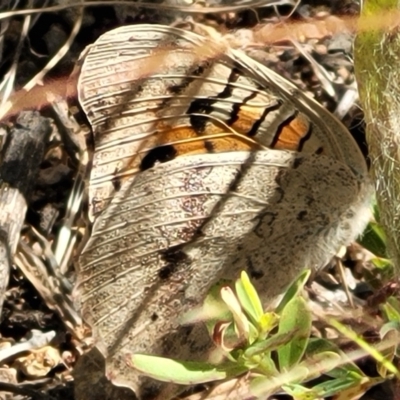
(164, 233)
(175, 229)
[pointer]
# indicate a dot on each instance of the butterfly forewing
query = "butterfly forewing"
(204, 165)
(147, 87)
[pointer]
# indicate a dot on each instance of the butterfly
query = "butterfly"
(205, 163)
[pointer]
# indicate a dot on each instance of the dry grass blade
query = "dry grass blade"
(347, 101)
(235, 6)
(232, 389)
(319, 70)
(50, 288)
(7, 104)
(7, 85)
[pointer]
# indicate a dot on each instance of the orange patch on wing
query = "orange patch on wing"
(246, 117)
(187, 141)
(229, 142)
(292, 134)
(184, 139)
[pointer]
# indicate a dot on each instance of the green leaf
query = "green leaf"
(394, 302)
(389, 333)
(182, 372)
(293, 290)
(374, 239)
(270, 344)
(248, 298)
(241, 322)
(318, 345)
(300, 392)
(347, 387)
(267, 365)
(334, 386)
(295, 317)
(263, 386)
(213, 309)
(389, 327)
(390, 310)
(321, 363)
(267, 322)
(371, 350)
(383, 264)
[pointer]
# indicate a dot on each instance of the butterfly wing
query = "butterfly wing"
(204, 165)
(157, 88)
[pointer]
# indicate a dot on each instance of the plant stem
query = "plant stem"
(377, 68)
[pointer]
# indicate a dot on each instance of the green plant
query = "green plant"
(274, 348)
